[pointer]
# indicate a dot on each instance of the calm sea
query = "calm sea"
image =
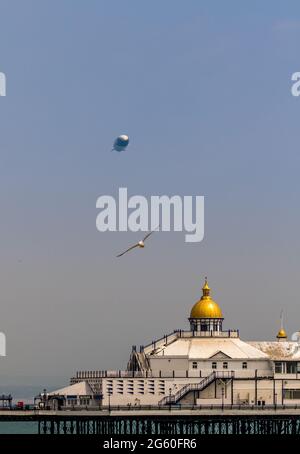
(18, 428)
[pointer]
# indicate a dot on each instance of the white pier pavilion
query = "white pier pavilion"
(204, 366)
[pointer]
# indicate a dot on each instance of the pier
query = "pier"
(184, 421)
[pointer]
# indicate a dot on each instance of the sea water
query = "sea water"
(24, 427)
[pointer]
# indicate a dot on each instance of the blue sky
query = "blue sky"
(203, 90)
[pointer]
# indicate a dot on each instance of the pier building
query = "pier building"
(202, 366)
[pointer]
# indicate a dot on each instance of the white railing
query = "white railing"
(167, 339)
(241, 373)
(174, 398)
(222, 334)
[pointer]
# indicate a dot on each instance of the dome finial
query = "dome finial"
(206, 288)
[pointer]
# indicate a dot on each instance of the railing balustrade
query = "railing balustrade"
(174, 398)
(200, 373)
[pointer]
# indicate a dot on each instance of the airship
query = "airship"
(121, 143)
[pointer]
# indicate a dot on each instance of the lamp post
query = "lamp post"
(109, 394)
(44, 398)
(223, 392)
(170, 396)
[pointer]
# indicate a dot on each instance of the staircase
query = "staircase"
(174, 398)
(138, 362)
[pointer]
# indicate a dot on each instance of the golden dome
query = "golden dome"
(281, 334)
(206, 307)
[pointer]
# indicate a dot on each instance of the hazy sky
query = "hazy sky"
(203, 90)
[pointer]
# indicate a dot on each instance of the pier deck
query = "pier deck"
(187, 421)
(31, 415)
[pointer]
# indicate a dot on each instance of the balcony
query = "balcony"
(233, 333)
(179, 334)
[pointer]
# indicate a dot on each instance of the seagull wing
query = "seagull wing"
(150, 233)
(129, 249)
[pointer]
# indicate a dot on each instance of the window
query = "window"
(292, 393)
(278, 368)
(204, 327)
(225, 365)
(195, 365)
(214, 365)
(245, 365)
(291, 367)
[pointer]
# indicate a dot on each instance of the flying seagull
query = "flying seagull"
(140, 244)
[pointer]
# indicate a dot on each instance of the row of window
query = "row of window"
(214, 365)
(292, 393)
(288, 367)
(135, 387)
(82, 401)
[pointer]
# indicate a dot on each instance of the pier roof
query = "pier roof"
(78, 389)
(205, 348)
(279, 350)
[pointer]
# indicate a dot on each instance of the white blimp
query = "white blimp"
(121, 143)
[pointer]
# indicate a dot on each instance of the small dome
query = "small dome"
(206, 307)
(281, 334)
